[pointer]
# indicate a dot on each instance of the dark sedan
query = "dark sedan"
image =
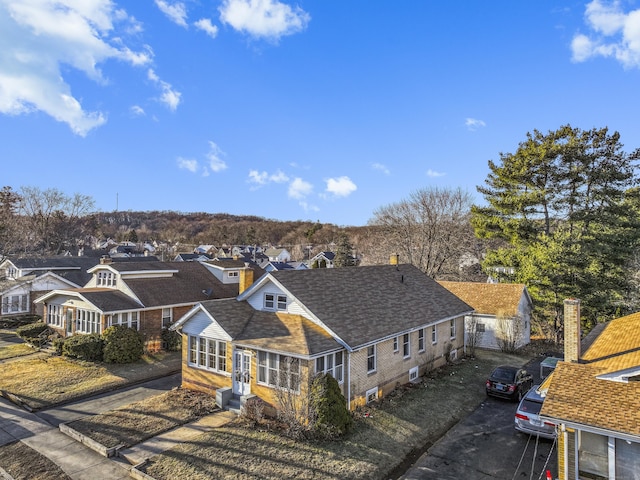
(509, 382)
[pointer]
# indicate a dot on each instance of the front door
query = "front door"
(241, 372)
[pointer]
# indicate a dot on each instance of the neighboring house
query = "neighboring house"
(24, 279)
(278, 255)
(373, 328)
(192, 257)
(147, 296)
(206, 249)
(594, 399)
(271, 266)
(502, 313)
(228, 270)
(322, 260)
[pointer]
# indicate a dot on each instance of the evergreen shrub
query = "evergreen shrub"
(122, 345)
(332, 418)
(83, 347)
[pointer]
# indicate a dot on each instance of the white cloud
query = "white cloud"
(269, 19)
(341, 186)
(216, 164)
(137, 111)
(262, 178)
(169, 96)
(39, 37)
(206, 26)
(434, 174)
(188, 164)
(473, 123)
(299, 189)
(381, 168)
(614, 33)
(176, 12)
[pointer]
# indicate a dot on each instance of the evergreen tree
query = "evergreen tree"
(558, 204)
(344, 253)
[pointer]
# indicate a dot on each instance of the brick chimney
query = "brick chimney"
(571, 330)
(394, 259)
(246, 278)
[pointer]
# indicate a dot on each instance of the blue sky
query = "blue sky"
(314, 110)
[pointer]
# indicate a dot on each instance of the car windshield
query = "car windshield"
(503, 374)
(530, 406)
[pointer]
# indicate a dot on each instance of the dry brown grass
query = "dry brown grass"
(139, 421)
(17, 350)
(24, 463)
(43, 382)
(383, 436)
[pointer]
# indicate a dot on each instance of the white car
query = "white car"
(528, 416)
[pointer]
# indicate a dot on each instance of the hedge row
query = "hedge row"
(118, 344)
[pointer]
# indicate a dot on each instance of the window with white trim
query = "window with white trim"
(15, 303)
(406, 345)
(12, 272)
(371, 395)
(233, 274)
(434, 335)
(421, 343)
(452, 327)
(333, 364)
(106, 279)
(88, 321)
(371, 359)
(167, 317)
(396, 343)
(280, 371)
(54, 315)
(128, 319)
(275, 302)
(208, 353)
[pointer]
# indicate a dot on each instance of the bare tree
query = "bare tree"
(509, 332)
(474, 330)
(11, 225)
(430, 230)
(292, 399)
(54, 219)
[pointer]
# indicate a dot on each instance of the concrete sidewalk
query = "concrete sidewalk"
(40, 430)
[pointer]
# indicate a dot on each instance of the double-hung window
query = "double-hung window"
(88, 321)
(167, 317)
(421, 346)
(273, 301)
(434, 335)
(452, 327)
(396, 342)
(371, 359)
(406, 345)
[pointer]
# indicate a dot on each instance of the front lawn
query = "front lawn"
(139, 421)
(17, 350)
(24, 463)
(384, 434)
(44, 382)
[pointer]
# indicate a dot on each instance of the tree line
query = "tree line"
(560, 214)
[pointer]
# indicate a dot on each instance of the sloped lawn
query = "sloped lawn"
(18, 350)
(23, 463)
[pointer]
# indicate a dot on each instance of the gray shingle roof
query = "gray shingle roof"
(364, 304)
(109, 300)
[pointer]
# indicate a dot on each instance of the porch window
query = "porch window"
(193, 357)
(127, 319)
(88, 321)
(14, 304)
(593, 460)
(279, 371)
(208, 353)
(331, 364)
(54, 315)
(627, 458)
(371, 359)
(421, 346)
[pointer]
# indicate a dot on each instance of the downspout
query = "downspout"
(349, 381)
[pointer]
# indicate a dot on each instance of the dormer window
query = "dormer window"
(275, 302)
(106, 279)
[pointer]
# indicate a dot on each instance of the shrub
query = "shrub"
(58, 344)
(83, 347)
(29, 333)
(122, 345)
(329, 407)
(253, 410)
(171, 340)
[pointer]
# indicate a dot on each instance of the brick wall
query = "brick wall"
(571, 330)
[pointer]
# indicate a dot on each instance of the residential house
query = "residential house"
(593, 397)
(372, 328)
(502, 313)
(271, 266)
(278, 255)
(24, 279)
(322, 260)
(147, 296)
(192, 257)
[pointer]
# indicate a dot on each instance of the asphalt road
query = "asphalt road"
(8, 339)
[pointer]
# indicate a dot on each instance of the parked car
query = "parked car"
(509, 382)
(528, 416)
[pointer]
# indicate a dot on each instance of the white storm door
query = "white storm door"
(241, 372)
